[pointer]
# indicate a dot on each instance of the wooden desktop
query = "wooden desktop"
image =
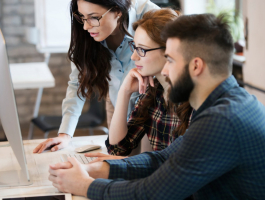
(38, 164)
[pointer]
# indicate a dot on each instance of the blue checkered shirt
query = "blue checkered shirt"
(221, 156)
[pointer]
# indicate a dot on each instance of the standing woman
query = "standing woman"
(101, 57)
(154, 115)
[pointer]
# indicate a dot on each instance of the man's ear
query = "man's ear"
(197, 66)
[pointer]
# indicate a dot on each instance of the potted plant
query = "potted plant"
(234, 18)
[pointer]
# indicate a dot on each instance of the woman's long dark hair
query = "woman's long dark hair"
(90, 57)
(153, 22)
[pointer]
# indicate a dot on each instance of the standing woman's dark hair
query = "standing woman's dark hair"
(100, 56)
(90, 57)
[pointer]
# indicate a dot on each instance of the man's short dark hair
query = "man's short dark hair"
(204, 36)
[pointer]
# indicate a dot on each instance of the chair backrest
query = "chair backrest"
(97, 107)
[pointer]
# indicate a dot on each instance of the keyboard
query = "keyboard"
(80, 157)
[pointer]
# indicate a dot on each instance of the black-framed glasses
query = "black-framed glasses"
(140, 51)
(92, 21)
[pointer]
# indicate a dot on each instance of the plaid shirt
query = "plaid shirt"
(158, 127)
(221, 156)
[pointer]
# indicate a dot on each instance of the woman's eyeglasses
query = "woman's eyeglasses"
(92, 21)
(140, 51)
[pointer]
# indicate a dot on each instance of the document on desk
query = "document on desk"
(38, 175)
(38, 164)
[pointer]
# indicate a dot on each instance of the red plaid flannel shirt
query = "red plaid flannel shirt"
(158, 127)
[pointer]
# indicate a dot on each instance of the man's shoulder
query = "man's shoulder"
(238, 108)
(236, 101)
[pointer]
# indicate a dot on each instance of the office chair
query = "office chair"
(91, 120)
(3, 139)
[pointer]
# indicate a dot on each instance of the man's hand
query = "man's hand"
(102, 156)
(95, 170)
(58, 142)
(74, 180)
(62, 165)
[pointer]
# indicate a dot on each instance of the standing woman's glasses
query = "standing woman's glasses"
(92, 21)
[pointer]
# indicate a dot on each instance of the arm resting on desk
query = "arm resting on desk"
(195, 160)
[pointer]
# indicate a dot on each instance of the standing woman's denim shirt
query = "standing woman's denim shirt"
(121, 64)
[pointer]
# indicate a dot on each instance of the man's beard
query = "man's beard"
(181, 90)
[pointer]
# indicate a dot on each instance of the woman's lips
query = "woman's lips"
(139, 67)
(94, 34)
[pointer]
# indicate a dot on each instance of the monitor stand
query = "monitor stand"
(13, 178)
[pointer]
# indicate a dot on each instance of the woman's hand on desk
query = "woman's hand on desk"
(102, 156)
(58, 143)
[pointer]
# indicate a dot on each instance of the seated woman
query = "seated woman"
(153, 114)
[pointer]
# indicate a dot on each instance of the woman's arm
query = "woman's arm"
(132, 83)
(72, 107)
(118, 126)
(134, 134)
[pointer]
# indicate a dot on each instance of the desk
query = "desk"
(38, 164)
(29, 76)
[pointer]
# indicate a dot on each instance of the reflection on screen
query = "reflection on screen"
(53, 197)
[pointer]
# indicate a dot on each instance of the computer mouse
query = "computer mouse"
(86, 148)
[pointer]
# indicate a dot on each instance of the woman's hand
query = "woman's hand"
(102, 156)
(58, 143)
(134, 82)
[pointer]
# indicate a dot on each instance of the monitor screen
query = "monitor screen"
(51, 197)
(10, 123)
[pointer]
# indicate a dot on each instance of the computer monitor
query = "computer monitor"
(10, 123)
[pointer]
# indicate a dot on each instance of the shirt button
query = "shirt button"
(120, 70)
(120, 46)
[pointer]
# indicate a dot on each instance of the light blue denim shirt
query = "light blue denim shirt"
(121, 64)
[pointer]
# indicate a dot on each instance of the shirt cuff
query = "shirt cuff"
(97, 188)
(118, 168)
(123, 148)
(68, 125)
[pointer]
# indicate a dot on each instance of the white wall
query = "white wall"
(254, 67)
(193, 6)
(52, 19)
(199, 6)
(225, 4)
